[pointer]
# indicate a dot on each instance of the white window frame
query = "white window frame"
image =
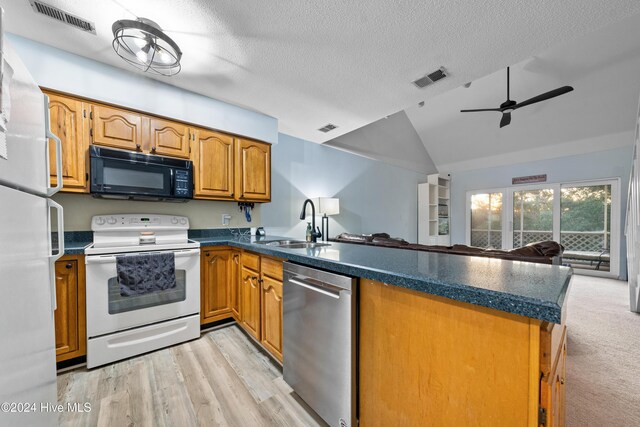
(507, 216)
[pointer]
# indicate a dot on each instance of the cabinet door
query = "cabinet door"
(213, 163)
(272, 316)
(253, 170)
(68, 124)
(250, 294)
(552, 389)
(216, 269)
(69, 316)
(169, 138)
(235, 286)
(116, 128)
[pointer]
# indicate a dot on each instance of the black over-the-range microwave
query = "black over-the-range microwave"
(121, 174)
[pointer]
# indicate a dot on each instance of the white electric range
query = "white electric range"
(121, 326)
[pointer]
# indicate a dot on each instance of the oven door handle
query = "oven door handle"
(105, 259)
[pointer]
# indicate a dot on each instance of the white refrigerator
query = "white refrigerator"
(27, 252)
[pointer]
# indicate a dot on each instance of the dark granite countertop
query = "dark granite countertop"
(532, 290)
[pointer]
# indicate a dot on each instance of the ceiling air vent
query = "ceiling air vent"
(425, 81)
(327, 128)
(62, 16)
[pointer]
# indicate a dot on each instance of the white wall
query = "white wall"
(374, 196)
(614, 163)
(56, 69)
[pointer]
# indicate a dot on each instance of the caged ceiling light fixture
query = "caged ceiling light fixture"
(143, 44)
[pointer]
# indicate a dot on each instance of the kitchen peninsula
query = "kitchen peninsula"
(453, 339)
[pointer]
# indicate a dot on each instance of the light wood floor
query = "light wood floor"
(220, 379)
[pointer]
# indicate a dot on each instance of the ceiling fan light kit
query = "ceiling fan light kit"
(143, 44)
(509, 105)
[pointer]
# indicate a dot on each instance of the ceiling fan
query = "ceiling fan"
(509, 105)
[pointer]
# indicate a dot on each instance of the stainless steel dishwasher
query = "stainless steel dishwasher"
(319, 343)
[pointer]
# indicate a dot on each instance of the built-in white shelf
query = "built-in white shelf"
(434, 211)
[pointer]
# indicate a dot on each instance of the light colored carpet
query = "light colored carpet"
(603, 365)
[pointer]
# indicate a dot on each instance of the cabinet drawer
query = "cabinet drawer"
(251, 261)
(551, 335)
(271, 267)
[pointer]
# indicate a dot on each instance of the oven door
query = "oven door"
(126, 177)
(109, 311)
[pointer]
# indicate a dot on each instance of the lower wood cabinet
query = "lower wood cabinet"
(247, 287)
(464, 364)
(552, 385)
(70, 319)
(271, 305)
(216, 279)
(250, 301)
(272, 316)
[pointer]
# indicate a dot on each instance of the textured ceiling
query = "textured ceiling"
(604, 69)
(308, 63)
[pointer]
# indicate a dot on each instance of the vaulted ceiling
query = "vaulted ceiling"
(350, 63)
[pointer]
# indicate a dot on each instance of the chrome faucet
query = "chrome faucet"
(314, 234)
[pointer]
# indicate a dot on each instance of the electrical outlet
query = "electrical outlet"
(226, 219)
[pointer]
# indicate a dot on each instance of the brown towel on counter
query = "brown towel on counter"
(140, 274)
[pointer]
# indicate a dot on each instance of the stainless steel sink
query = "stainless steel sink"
(280, 242)
(293, 244)
(304, 245)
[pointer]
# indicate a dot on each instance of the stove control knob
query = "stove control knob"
(183, 221)
(112, 220)
(174, 220)
(99, 220)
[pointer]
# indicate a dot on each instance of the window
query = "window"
(584, 217)
(486, 220)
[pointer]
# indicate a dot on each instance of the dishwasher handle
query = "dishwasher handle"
(315, 288)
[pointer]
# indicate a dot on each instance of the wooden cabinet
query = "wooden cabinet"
(234, 300)
(250, 301)
(167, 138)
(465, 364)
(552, 385)
(69, 316)
(253, 170)
(213, 160)
(216, 279)
(68, 124)
(116, 128)
(224, 168)
(272, 315)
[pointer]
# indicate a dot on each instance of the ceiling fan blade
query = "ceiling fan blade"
(481, 109)
(543, 97)
(505, 120)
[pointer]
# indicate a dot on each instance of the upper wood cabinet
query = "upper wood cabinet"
(68, 124)
(69, 316)
(169, 138)
(225, 168)
(253, 170)
(215, 284)
(213, 159)
(116, 128)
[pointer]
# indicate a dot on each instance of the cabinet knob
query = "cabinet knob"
(242, 195)
(206, 254)
(68, 266)
(138, 146)
(153, 148)
(561, 380)
(231, 194)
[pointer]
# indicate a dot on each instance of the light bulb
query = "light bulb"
(142, 56)
(139, 42)
(165, 57)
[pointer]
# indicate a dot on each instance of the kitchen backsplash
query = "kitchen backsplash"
(202, 214)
